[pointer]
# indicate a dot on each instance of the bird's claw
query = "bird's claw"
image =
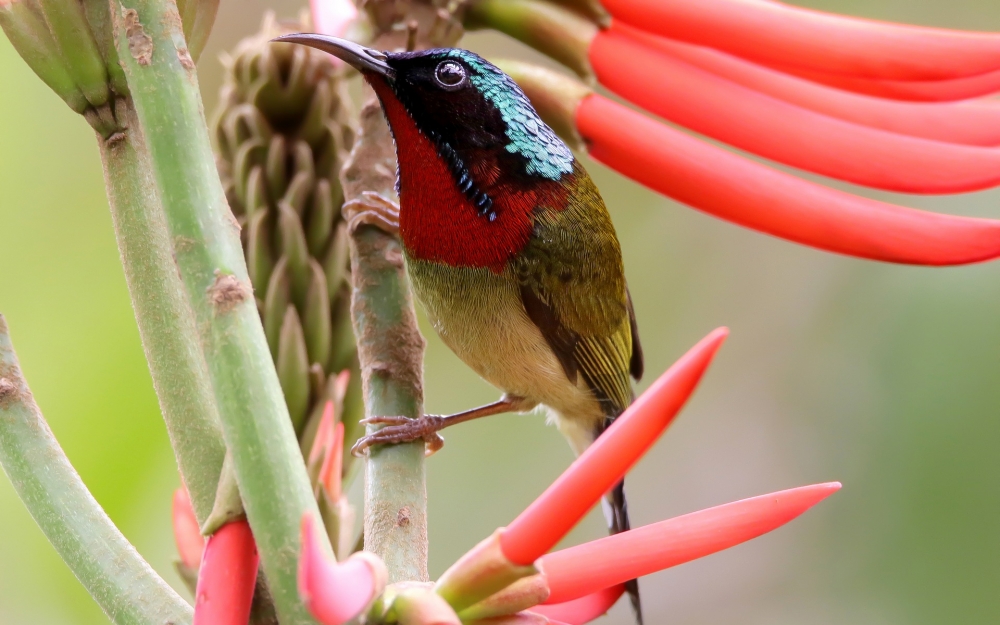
(372, 209)
(403, 430)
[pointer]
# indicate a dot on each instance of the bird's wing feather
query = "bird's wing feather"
(573, 288)
(636, 364)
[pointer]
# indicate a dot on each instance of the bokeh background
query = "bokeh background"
(884, 377)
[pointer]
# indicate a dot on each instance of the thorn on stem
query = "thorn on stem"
(227, 292)
(7, 390)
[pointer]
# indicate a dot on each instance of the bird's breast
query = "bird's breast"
(479, 315)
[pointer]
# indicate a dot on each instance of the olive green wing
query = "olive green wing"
(573, 288)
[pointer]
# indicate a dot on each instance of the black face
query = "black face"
(475, 114)
(481, 122)
(439, 89)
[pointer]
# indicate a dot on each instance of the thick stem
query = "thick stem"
(390, 350)
(122, 583)
(166, 322)
(205, 237)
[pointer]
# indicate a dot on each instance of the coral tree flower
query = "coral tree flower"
(227, 576)
(187, 534)
(512, 573)
(336, 592)
(867, 102)
(225, 565)
(511, 578)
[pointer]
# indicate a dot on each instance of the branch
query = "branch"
(165, 319)
(390, 349)
(266, 458)
(122, 583)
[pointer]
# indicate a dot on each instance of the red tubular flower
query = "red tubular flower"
(333, 464)
(187, 534)
(727, 185)
(774, 33)
(784, 132)
(917, 90)
(604, 463)
(336, 593)
(504, 579)
(739, 190)
(324, 434)
(227, 577)
(970, 123)
(584, 609)
(579, 571)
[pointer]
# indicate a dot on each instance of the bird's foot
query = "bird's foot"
(372, 209)
(403, 430)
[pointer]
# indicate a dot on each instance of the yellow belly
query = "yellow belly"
(479, 315)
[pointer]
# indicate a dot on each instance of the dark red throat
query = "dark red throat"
(437, 222)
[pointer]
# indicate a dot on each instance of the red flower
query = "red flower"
(761, 198)
(975, 122)
(511, 572)
(579, 571)
(782, 131)
(584, 609)
(227, 577)
(780, 35)
(187, 534)
(327, 452)
(784, 83)
(510, 579)
(605, 462)
(336, 593)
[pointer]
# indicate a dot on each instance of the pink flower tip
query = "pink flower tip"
(324, 433)
(227, 577)
(536, 530)
(582, 610)
(332, 17)
(187, 534)
(333, 465)
(578, 571)
(336, 593)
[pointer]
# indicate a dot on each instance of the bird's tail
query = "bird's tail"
(613, 503)
(616, 513)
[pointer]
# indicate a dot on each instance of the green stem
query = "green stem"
(122, 583)
(553, 30)
(205, 236)
(390, 350)
(166, 321)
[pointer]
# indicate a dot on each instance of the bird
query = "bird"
(508, 245)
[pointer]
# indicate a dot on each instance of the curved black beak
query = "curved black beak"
(362, 58)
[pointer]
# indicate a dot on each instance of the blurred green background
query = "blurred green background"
(884, 377)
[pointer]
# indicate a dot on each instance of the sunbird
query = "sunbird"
(508, 245)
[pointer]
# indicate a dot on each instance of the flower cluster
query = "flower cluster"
(866, 102)
(512, 577)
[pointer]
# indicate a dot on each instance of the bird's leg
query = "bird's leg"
(372, 209)
(406, 430)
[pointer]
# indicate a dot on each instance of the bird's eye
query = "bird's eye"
(449, 74)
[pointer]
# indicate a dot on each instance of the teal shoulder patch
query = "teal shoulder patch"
(529, 136)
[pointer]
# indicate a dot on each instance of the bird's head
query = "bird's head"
(475, 160)
(460, 101)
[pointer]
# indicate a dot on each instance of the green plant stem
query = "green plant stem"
(165, 319)
(122, 583)
(390, 350)
(553, 30)
(205, 236)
